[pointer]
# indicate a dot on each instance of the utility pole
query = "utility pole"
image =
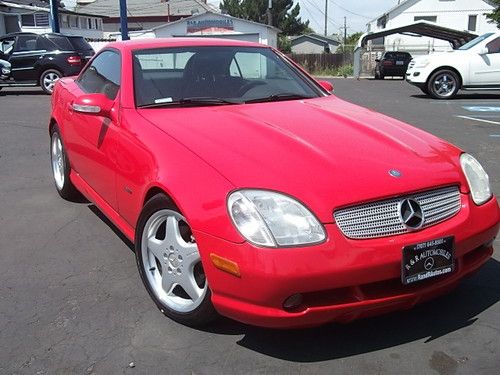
(345, 31)
(54, 15)
(124, 20)
(326, 17)
(269, 13)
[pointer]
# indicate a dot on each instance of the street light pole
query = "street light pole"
(269, 13)
(124, 20)
(326, 17)
(54, 15)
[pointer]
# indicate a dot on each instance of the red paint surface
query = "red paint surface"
(325, 152)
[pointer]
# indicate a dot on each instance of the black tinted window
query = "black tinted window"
(25, 43)
(103, 75)
(79, 43)
(44, 44)
(61, 42)
(494, 46)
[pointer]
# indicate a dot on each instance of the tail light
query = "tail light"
(387, 63)
(74, 60)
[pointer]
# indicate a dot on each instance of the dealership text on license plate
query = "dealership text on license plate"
(428, 259)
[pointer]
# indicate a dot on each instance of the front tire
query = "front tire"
(61, 167)
(444, 84)
(48, 80)
(170, 266)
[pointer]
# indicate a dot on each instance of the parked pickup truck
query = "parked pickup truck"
(474, 66)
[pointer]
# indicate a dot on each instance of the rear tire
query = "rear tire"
(48, 80)
(444, 84)
(169, 263)
(61, 167)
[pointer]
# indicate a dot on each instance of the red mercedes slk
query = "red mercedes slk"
(250, 191)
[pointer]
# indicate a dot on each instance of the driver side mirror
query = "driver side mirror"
(326, 85)
(377, 60)
(484, 51)
(93, 104)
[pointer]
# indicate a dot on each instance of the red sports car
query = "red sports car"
(251, 191)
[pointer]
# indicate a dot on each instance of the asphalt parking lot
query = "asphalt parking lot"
(71, 300)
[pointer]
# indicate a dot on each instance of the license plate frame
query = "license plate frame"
(427, 260)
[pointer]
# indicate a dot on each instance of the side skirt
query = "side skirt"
(104, 207)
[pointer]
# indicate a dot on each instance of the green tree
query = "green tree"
(495, 15)
(284, 14)
(350, 44)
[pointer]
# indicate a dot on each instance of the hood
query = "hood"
(326, 152)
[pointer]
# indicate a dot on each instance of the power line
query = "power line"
(349, 11)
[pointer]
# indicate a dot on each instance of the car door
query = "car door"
(91, 138)
(485, 68)
(24, 58)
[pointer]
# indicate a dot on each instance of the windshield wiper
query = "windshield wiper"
(278, 97)
(190, 101)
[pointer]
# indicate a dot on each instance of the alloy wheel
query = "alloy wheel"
(57, 158)
(171, 262)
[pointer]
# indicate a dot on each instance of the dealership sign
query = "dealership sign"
(210, 26)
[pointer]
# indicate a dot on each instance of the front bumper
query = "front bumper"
(341, 279)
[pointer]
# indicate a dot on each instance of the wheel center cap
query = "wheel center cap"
(173, 259)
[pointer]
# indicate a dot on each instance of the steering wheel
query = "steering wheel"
(247, 86)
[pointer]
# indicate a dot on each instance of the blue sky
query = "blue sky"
(313, 10)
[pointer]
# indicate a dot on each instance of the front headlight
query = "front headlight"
(422, 63)
(479, 182)
(271, 219)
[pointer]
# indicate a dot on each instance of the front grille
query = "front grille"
(380, 219)
(412, 64)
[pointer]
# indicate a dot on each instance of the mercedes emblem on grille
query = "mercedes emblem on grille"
(411, 214)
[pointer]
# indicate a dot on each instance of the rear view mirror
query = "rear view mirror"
(93, 104)
(484, 51)
(326, 85)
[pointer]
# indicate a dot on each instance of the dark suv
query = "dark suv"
(392, 63)
(40, 60)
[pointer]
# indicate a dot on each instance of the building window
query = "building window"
(64, 20)
(35, 20)
(472, 23)
(425, 18)
(27, 20)
(73, 22)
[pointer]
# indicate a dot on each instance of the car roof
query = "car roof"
(20, 33)
(137, 44)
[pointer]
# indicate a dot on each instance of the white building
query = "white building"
(214, 25)
(455, 14)
(34, 16)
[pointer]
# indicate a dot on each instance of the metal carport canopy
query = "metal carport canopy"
(457, 38)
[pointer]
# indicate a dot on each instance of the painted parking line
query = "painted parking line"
(482, 108)
(495, 135)
(480, 120)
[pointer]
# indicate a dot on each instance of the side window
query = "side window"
(25, 43)
(103, 75)
(494, 46)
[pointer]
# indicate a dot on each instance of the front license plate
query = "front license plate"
(427, 259)
(400, 62)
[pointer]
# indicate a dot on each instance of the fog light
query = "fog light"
(293, 302)
(416, 74)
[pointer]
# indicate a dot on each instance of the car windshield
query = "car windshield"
(215, 75)
(475, 41)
